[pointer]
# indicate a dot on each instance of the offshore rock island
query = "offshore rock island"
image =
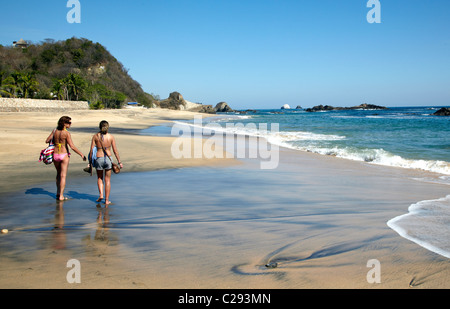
(364, 106)
(445, 111)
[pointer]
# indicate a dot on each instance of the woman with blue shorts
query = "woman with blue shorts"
(104, 142)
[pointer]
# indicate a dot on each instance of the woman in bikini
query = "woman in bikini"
(61, 156)
(101, 142)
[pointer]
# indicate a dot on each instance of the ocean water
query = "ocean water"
(402, 137)
(407, 137)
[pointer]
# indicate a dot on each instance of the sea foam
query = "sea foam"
(296, 140)
(427, 223)
(373, 156)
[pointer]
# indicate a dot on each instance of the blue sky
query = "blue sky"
(261, 54)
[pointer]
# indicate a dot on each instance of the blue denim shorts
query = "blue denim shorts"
(103, 163)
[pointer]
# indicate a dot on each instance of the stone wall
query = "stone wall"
(31, 105)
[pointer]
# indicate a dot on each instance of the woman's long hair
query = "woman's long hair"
(63, 120)
(103, 126)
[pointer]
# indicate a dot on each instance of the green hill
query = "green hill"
(74, 69)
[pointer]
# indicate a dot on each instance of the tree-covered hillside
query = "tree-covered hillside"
(74, 69)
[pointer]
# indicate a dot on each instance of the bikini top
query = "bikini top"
(58, 145)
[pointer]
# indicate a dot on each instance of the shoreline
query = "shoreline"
(337, 225)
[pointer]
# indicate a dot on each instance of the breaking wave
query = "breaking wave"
(324, 144)
(427, 223)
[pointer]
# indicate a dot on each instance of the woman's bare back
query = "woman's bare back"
(60, 141)
(106, 140)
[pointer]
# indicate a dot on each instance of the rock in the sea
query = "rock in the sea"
(285, 106)
(331, 108)
(319, 108)
(247, 111)
(223, 107)
(445, 111)
(298, 107)
(366, 106)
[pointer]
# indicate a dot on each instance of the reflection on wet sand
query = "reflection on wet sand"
(59, 236)
(59, 231)
(102, 231)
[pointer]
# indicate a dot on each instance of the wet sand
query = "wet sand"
(172, 225)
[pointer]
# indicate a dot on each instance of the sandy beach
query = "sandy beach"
(23, 135)
(313, 222)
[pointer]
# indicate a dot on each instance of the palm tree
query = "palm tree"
(28, 84)
(23, 85)
(71, 87)
(58, 89)
(77, 85)
(7, 86)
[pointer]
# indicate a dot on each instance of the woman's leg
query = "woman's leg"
(58, 178)
(100, 184)
(64, 167)
(107, 186)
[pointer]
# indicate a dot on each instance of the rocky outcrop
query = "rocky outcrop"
(445, 111)
(174, 101)
(298, 107)
(223, 107)
(208, 109)
(177, 102)
(319, 108)
(253, 111)
(367, 106)
(191, 105)
(285, 106)
(363, 106)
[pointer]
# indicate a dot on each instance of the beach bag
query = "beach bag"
(46, 155)
(115, 167)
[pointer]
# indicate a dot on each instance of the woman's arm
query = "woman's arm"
(74, 148)
(50, 137)
(116, 152)
(92, 148)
